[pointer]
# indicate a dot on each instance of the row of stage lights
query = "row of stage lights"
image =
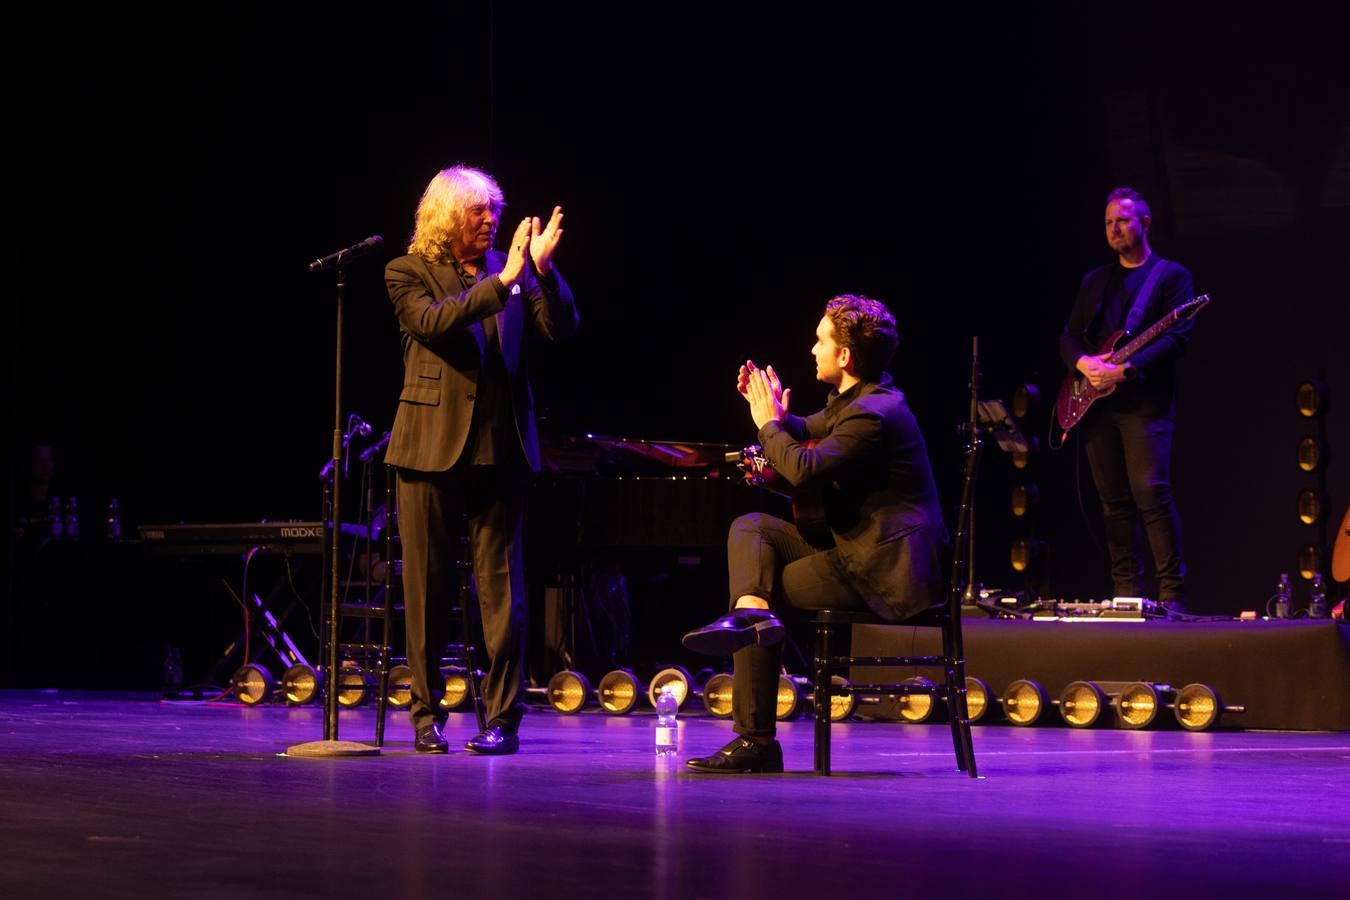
(1087, 704)
(1313, 459)
(302, 684)
(619, 691)
(568, 692)
(1082, 704)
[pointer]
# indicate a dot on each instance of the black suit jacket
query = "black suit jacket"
(443, 350)
(881, 502)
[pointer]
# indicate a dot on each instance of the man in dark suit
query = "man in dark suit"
(865, 454)
(464, 439)
(1128, 435)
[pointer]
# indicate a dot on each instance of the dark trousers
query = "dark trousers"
(1131, 461)
(433, 511)
(768, 558)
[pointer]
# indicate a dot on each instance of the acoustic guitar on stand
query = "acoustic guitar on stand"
(1076, 394)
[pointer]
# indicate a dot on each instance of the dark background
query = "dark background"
(724, 171)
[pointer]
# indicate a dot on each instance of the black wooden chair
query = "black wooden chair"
(951, 688)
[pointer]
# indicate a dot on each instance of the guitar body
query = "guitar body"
(808, 513)
(808, 504)
(1076, 396)
(1340, 557)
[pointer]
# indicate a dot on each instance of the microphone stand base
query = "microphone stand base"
(332, 748)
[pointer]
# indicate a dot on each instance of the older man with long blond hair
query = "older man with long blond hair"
(464, 439)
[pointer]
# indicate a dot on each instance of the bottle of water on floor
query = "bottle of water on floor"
(1282, 597)
(667, 707)
(1317, 606)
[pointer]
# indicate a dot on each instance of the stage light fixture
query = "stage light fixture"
(1024, 701)
(568, 691)
(1026, 399)
(1024, 554)
(1309, 507)
(717, 695)
(1309, 562)
(841, 705)
(677, 677)
(1309, 454)
(352, 687)
(916, 708)
(977, 699)
(1197, 707)
(618, 692)
(456, 690)
(1138, 704)
(300, 684)
(790, 696)
(1312, 397)
(400, 687)
(1024, 499)
(252, 685)
(1082, 704)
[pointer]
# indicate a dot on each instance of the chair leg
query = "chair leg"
(958, 713)
(952, 692)
(822, 699)
(967, 751)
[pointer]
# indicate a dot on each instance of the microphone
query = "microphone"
(324, 263)
(358, 425)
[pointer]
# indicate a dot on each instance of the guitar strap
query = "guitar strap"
(1136, 313)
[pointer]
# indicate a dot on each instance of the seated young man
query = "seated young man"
(864, 453)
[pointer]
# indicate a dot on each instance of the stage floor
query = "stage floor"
(104, 795)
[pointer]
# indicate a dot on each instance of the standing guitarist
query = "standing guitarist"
(1128, 434)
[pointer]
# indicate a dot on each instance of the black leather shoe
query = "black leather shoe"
(741, 756)
(742, 628)
(431, 740)
(496, 741)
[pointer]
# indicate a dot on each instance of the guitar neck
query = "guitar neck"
(1145, 336)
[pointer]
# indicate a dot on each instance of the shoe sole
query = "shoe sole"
(445, 749)
(749, 770)
(726, 641)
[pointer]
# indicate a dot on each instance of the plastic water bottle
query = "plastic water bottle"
(55, 518)
(1282, 597)
(114, 519)
(1317, 606)
(667, 707)
(72, 519)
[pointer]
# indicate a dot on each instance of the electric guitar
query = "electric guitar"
(808, 504)
(1076, 395)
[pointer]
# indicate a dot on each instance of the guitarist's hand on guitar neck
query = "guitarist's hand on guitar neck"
(1101, 372)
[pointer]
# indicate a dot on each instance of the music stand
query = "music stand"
(998, 424)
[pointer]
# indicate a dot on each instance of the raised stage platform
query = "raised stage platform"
(1289, 675)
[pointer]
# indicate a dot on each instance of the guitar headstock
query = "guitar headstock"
(754, 466)
(1188, 309)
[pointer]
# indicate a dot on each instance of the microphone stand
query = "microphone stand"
(330, 745)
(963, 549)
